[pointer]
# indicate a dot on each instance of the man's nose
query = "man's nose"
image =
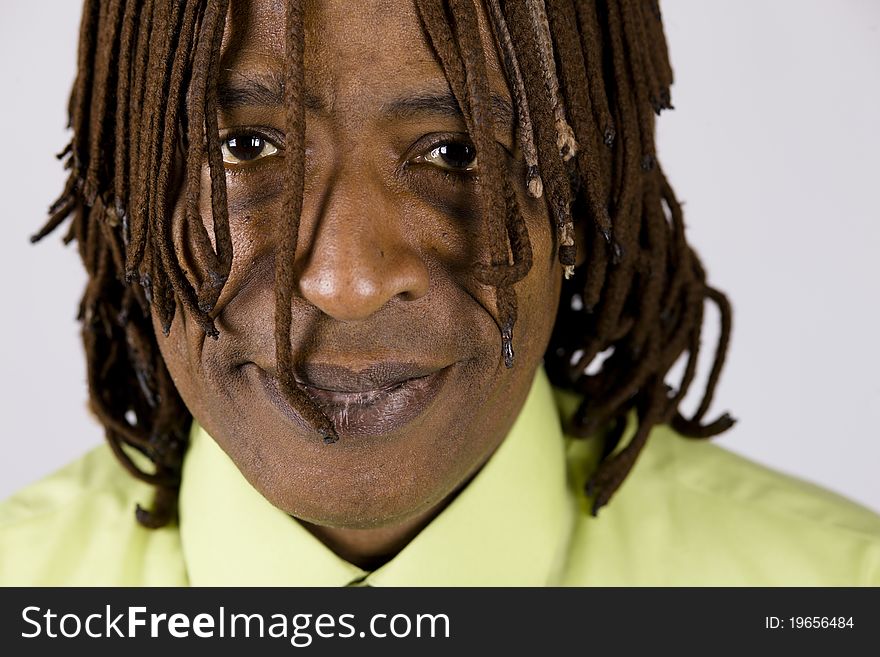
(358, 258)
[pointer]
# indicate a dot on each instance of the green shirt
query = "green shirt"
(690, 513)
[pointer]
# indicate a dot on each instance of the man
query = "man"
(337, 254)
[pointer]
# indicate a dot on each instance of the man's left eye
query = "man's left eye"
(451, 155)
(243, 148)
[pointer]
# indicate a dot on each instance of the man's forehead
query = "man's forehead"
(370, 42)
(332, 28)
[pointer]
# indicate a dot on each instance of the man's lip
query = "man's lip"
(376, 411)
(374, 377)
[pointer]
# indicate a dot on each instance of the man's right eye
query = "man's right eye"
(244, 148)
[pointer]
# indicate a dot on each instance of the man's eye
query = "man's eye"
(246, 147)
(452, 155)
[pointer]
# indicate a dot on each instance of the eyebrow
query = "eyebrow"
(267, 90)
(262, 90)
(444, 104)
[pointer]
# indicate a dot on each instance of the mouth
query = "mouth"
(374, 402)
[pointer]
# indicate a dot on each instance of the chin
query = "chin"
(364, 480)
(356, 482)
(368, 498)
(379, 515)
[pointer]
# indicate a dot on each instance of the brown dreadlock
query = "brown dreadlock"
(586, 78)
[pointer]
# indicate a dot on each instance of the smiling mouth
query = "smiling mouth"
(353, 405)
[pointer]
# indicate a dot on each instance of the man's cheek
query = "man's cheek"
(253, 240)
(175, 352)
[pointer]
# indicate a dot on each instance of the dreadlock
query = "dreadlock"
(586, 77)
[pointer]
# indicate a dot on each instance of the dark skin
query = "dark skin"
(389, 234)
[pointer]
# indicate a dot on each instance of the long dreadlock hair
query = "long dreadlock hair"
(586, 77)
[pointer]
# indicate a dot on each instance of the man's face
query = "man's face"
(389, 234)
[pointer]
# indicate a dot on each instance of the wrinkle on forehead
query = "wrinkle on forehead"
(346, 38)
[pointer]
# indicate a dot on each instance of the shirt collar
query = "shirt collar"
(510, 525)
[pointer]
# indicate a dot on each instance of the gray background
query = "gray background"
(773, 146)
